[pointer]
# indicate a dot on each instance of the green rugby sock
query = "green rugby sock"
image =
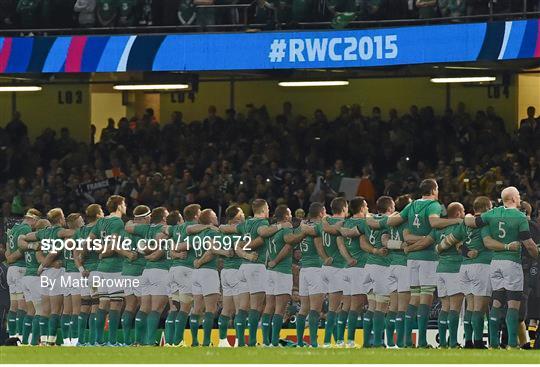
(352, 321)
(114, 322)
(127, 325)
(368, 327)
(400, 329)
(423, 318)
(82, 320)
(20, 315)
(453, 321)
(494, 315)
(442, 323)
(300, 327)
(208, 322)
(390, 328)
(341, 325)
(410, 317)
(73, 327)
(12, 323)
(92, 332)
(43, 328)
(240, 327)
(152, 323)
(277, 323)
(54, 320)
(100, 325)
(169, 327)
(512, 322)
(253, 325)
(223, 323)
(266, 326)
(180, 327)
(194, 328)
(329, 326)
(65, 326)
(477, 321)
(313, 319)
(467, 326)
(35, 330)
(378, 328)
(27, 328)
(140, 327)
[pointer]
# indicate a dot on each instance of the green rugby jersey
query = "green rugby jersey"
(353, 243)
(472, 238)
(330, 244)
(178, 234)
(250, 228)
(275, 245)
(32, 263)
(226, 241)
(104, 227)
(374, 237)
(91, 258)
(134, 267)
(449, 259)
(200, 244)
(149, 232)
(505, 225)
(310, 258)
(13, 236)
(397, 257)
(417, 215)
(50, 233)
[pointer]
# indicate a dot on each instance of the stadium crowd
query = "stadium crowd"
(35, 14)
(290, 159)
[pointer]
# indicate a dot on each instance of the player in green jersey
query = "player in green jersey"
(474, 274)
(356, 285)
(181, 271)
(235, 292)
(311, 287)
(31, 287)
(16, 269)
(132, 268)
(73, 283)
(280, 279)
(86, 261)
(207, 245)
(155, 276)
(449, 288)
(333, 272)
(508, 230)
(254, 273)
(50, 271)
(109, 231)
(421, 216)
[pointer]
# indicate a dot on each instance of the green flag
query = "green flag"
(341, 20)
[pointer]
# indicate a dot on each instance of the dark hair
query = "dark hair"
(257, 205)
(402, 201)
(383, 204)
(190, 211)
(481, 204)
(280, 212)
(158, 214)
(114, 202)
(427, 186)
(232, 211)
(338, 205)
(173, 218)
(356, 204)
(315, 210)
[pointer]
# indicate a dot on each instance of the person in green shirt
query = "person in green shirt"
(449, 288)
(421, 216)
(73, 283)
(16, 270)
(254, 272)
(31, 288)
(181, 271)
(235, 292)
(311, 286)
(356, 285)
(109, 232)
(333, 271)
(280, 281)
(154, 281)
(132, 268)
(86, 261)
(50, 271)
(508, 231)
(474, 274)
(207, 245)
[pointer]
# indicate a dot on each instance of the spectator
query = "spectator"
(106, 13)
(127, 13)
(29, 13)
(7, 13)
(427, 9)
(86, 10)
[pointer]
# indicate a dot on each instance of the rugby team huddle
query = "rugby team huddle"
(378, 271)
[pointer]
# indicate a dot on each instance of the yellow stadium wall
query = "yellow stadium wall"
(51, 108)
(104, 106)
(528, 94)
(399, 93)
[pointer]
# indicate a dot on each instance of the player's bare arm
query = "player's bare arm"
(410, 238)
(343, 251)
(437, 222)
(155, 255)
(294, 238)
(267, 231)
(349, 232)
(198, 228)
(319, 247)
(332, 229)
(247, 255)
(206, 257)
(423, 243)
(228, 228)
(285, 251)
(394, 219)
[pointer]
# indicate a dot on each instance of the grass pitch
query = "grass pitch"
(87, 355)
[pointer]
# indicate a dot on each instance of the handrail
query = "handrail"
(245, 7)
